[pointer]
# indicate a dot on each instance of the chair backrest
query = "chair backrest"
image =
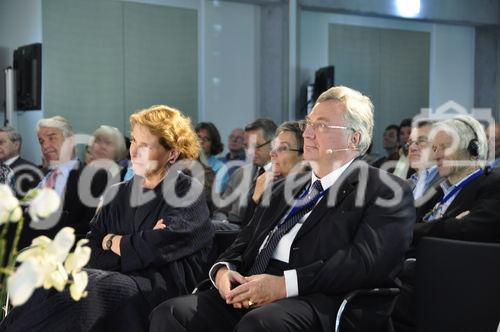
(457, 286)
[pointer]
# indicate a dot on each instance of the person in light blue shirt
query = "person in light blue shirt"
(211, 145)
(495, 129)
(420, 156)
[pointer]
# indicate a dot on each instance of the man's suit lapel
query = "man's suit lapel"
(70, 191)
(464, 198)
(274, 214)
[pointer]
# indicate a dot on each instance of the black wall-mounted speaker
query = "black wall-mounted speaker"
(323, 80)
(28, 66)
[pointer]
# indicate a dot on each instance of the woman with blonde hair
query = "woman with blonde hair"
(151, 240)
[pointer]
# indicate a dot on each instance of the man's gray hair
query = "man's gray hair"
(57, 122)
(358, 114)
(466, 129)
(13, 134)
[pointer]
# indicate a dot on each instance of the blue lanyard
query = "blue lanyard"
(296, 208)
(462, 184)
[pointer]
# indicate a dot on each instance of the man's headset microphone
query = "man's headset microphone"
(331, 151)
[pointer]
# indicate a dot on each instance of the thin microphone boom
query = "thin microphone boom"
(330, 151)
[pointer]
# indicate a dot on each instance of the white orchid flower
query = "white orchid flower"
(44, 204)
(47, 250)
(58, 249)
(7, 199)
(16, 214)
(77, 288)
(4, 216)
(9, 205)
(23, 282)
(79, 258)
(57, 278)
(49, 264)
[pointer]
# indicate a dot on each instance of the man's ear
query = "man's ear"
(355, 139)
(17, 144)
(174, 155)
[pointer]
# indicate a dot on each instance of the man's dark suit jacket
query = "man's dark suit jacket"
(341, 246)
(482, 198)
(236, 211)
(26, 175)
(74, 212)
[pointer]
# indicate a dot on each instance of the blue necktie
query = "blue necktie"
(295, 215)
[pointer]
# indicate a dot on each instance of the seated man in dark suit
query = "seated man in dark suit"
(56, 139)
(233, 203)
(465, 207)
(345, 226)
(26, 174)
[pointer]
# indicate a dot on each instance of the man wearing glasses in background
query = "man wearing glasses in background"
(238, 193)
(426, 180)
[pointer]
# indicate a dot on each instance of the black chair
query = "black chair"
(457, 286)
(367, 310)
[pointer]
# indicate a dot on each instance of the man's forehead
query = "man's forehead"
(49, 131)
(257, 132)
(237, 132)
(420, 131)
(327, 110)
(391, 131)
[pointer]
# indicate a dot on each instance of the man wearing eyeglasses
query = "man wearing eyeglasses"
(346, 226)
(233, 203)
(426, 180)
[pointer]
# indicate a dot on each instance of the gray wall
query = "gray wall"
(389, 65)
(106, 59)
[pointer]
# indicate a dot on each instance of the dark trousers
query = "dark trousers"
(207, 311)
(404, 312)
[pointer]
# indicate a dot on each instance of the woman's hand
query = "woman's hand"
(115, 243)
(160, 224)
(261, 184)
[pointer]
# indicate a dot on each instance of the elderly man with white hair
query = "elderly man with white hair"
(56, 139)
(467, 206)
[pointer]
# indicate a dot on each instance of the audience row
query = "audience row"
(314, 219)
